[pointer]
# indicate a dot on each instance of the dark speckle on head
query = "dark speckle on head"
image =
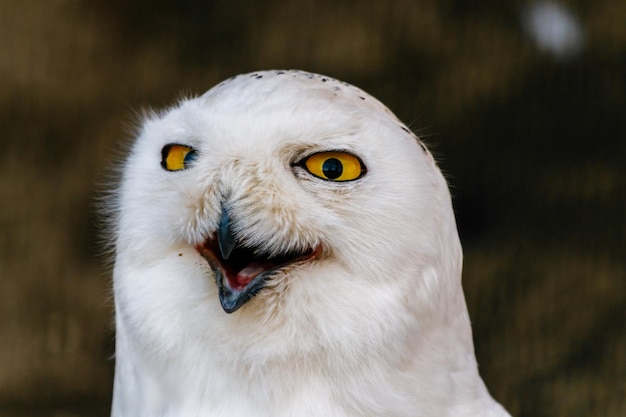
(308, 80)
(226, 81)
(405, 129)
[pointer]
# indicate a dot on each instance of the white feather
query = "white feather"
(377, 326)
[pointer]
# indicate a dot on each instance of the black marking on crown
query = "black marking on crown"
(337, 86)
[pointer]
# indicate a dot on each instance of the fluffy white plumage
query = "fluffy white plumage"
(355, 305)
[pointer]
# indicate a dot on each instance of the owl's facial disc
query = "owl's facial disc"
(241, 271)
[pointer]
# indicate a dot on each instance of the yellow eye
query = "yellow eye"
(334, 166)
(177, 157)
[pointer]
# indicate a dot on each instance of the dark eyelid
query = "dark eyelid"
(302, 164)
(192, 154)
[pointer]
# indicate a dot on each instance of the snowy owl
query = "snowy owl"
(286, 247)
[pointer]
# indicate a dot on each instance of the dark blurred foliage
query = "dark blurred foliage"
(533, 143)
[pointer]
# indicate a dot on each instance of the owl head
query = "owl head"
(287, 198)
(285, 246)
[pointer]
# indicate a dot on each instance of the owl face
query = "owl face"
(272, 179)
(302, 207)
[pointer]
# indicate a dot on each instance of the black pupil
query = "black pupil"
(332, 168)
(191, 156)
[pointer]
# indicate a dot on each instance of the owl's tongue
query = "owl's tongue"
(247, 274)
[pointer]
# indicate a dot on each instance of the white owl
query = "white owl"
(286, 247)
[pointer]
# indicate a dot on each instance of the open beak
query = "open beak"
(241, 271)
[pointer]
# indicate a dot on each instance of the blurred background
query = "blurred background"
(522, 102)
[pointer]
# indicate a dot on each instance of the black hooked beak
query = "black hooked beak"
(225, 238)
(241, 270)
(236, 286)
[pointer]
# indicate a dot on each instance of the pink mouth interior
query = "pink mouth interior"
(243, 265)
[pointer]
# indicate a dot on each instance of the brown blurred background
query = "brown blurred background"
(523, 103)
